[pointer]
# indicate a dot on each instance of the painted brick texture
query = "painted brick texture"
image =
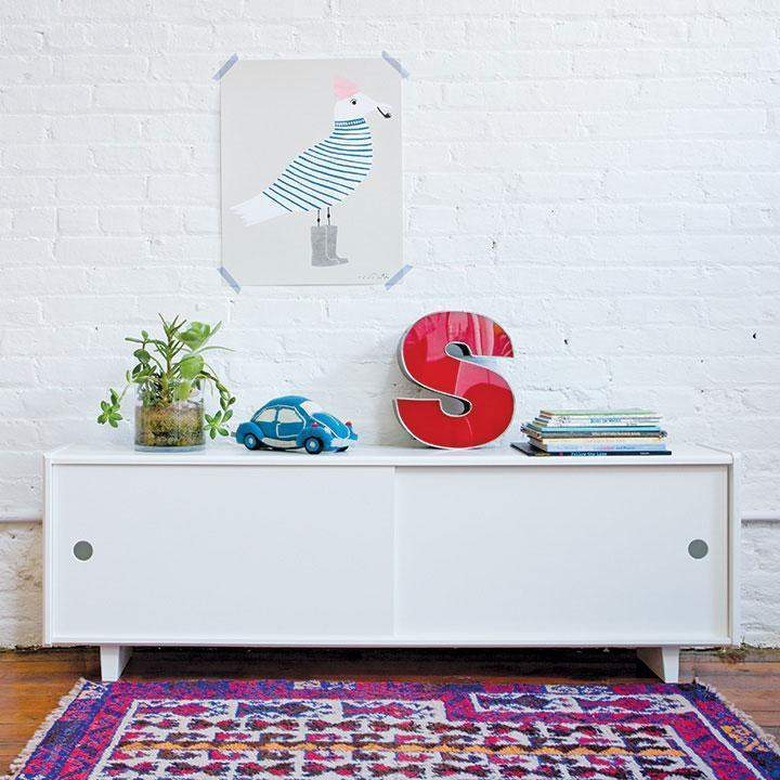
(600, 176)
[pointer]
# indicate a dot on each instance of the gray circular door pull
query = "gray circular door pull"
(83, 550)
(698, 548)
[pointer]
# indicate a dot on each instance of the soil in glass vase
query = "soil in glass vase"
(169, 427)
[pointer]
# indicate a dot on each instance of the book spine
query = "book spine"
(593, 422)
(597, 453)
(603, 443)
(622, 447)
(632, 412)
(585, 433)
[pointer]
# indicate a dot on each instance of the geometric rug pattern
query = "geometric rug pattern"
(276, 729)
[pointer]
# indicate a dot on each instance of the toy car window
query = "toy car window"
(289, 416)
(267, 415)
(310, 407)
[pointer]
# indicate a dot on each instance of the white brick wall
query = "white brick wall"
(601, 176)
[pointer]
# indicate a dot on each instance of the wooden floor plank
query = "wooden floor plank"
(32, 683)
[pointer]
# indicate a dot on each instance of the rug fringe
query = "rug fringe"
(763, 735)
(18, 763)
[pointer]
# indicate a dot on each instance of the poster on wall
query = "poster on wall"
(311, 171)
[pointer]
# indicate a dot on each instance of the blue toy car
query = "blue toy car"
(293, 422)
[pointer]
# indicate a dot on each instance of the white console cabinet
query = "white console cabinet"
(390, 547)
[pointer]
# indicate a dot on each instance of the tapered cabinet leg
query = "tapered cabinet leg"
(664, 661)
(113, 659)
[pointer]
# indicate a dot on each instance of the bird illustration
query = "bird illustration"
(325, 174)
(329, 171)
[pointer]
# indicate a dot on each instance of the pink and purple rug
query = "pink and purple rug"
(277, 729)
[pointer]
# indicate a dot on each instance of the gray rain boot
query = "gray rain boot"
(319, 246)
(332, 234)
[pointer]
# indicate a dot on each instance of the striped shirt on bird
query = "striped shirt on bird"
(328, 172)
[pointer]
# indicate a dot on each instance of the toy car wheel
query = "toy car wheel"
(250, 441)
(313, 445)
(341, 449)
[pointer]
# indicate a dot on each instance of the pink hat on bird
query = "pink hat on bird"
(344, 88)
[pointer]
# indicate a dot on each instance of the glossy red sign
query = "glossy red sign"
(486, 396)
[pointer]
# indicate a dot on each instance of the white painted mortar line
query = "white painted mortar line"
(760, 517)
(20, 518)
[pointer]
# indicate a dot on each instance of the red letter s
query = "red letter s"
(487, 396)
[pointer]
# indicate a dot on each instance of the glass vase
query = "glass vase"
(169, 427)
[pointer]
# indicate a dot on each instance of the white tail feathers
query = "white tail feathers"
(258, 209)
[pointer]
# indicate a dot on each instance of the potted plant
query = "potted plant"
(169, 376)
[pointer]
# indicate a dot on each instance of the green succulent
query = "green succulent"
(109, 410)
(170, 369)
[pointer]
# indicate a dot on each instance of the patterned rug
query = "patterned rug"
(277, 729)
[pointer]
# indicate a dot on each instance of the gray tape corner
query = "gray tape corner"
(229, 278)
(397, 276)
(232, 60)
(394, 63)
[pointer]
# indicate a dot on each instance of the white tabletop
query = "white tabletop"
(229, 453)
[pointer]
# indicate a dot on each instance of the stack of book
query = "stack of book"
(595, 432)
